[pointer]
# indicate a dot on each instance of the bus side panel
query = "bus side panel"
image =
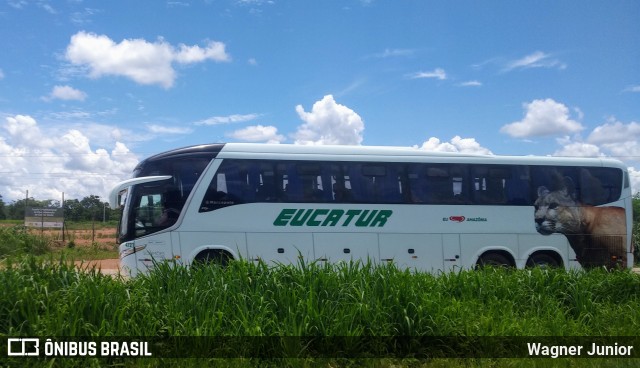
(150, 251)
(194, 242)
(451, 252)
(334, 247)
(422, 252)
(284, 248)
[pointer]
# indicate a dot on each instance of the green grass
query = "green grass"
(53, 299)
(17, 241)
(94, 252)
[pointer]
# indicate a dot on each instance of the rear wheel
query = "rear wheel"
(543, 260)
(493, 260)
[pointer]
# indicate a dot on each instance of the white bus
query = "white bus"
(420, 210)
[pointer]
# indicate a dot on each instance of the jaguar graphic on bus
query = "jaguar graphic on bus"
(425, 211)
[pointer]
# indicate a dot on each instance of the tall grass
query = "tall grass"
(354, 299)
(40, 298)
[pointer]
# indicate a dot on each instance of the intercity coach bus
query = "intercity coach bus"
(426, 211)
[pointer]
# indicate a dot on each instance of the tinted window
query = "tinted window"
(587, 185)
(247, 181)
(438, 183)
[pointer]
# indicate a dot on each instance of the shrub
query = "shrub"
(17, 240)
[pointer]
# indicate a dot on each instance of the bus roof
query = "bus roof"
(376, 153)
(391, 153)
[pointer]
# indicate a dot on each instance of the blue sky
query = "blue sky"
(89, 88)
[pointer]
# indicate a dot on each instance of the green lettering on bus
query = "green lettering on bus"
(284, 217)
(312, 221)
(335, 217)
(332, 218)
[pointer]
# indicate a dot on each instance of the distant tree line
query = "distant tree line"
(87, 209)
(92, 208)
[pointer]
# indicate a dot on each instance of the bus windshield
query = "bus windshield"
(155, 205)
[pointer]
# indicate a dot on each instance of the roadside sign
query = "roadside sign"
(44, 217)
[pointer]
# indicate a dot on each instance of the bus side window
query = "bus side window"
(216, 194)
(265, 184)
(517, 187)
(230, 186)
(600, 185)
(417, 185)
(356, 183)
(439, 185)
(489, 184)
(380, 183)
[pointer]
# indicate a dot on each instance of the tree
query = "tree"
(73, 210)
(92, 207)
(3, 215)
(15, 210)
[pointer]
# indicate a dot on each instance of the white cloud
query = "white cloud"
(24, 132)
(66, 93)
(1, 74)
(235, 118)
(47, 164)
(618, 139)
(543, 118)
(571, 148)
(632, 89)
(538, 59)
(437, 73)
(258, 133)
(329, 123)
(457, 144)
(160, 129)
(255, 2)
(615, 132)
(634, 178)
(48, 8)
(387, 53)
(172, 4)
(83, 16)
(142, 61)
(195, 54)
(626, 150)
(471, 83)
(18, 4)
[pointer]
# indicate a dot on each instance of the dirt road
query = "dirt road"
(106, 266)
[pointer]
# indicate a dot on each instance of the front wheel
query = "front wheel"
(210, 257)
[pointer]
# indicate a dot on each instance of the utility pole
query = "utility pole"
(63, 218)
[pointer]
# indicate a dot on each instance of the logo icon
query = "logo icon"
(457, 218)
(23, 347)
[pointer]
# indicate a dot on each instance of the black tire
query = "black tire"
(493, 260)
(212, 257)
(543, 260)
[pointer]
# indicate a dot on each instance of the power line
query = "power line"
(70, 174)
